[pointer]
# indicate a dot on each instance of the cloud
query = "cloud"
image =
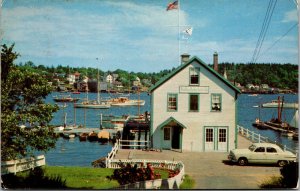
(290, 16)
(129, 29)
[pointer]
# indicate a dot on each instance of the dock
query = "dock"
(77, 131)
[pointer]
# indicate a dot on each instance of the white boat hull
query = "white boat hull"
(93, 106)
(130, 103)
(285, 105)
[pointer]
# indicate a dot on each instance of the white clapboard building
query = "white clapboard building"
(194, 108)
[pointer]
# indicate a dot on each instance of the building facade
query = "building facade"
(194, 109)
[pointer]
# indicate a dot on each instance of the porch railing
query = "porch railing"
(255, 137)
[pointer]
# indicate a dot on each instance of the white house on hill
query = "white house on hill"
(194, 109)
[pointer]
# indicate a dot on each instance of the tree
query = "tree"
(22, 103)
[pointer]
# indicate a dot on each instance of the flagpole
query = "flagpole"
(179, 32)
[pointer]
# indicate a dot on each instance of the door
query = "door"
(216, 139)
(209, 139)
(176, 137)
(222, 139)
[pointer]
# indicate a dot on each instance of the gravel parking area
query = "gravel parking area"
(212, 170)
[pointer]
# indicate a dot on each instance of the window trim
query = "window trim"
(176, 96)
(211, 102)
(190, 102)
(197, 69)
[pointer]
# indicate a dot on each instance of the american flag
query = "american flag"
(173, 5)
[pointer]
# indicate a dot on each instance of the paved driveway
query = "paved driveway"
(211, 170)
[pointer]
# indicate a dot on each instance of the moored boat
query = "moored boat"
(103, 136)
(66, 98)
(83, 136)
(93, 105)
(125, 101)
(68, 135)
(92, 136)
(274, 104)
(259, 124)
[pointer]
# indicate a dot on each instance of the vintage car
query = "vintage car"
(263, 153)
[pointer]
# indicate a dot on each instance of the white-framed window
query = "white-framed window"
(194, 76)
(216, 102)
(172, 102)
(194, 102)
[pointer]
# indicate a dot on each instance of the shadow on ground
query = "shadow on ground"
(230, 163)
(34, 180)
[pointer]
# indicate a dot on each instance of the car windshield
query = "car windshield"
(252, 147)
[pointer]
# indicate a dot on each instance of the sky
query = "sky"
(142, 36)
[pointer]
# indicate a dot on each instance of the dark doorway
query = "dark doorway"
(176, 137)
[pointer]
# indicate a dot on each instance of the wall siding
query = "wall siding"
(192, 139)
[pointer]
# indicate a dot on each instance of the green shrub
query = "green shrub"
(188, 183)
(288, 179)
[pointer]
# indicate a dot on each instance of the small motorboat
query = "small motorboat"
(68, 135)
(92, 136)
(83, 136)
(103, 136)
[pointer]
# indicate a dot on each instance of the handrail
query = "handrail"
(255, 137)
(134, 144)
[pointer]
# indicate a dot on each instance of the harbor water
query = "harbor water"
(71, 152)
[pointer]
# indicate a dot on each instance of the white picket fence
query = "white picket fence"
(257, 138)
(170, 183)
(14, 166)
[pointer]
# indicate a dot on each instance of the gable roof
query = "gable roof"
(171, 119)
(181, 67)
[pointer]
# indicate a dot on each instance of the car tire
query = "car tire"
(242, 161)
(281, 163)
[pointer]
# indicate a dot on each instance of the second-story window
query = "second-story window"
(194, 76)
(194, 103)
(216, 102)
(172, 102)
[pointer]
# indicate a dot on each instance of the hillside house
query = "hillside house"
(194, 109)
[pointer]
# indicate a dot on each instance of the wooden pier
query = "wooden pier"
(77, 131)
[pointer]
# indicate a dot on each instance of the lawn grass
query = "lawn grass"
(188, 183)
(83, 177)
(73, 177)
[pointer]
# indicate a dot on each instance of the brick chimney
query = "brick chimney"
(185, 58)
(216, 61)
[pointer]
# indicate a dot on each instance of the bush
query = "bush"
(288, 179)
(130, 174)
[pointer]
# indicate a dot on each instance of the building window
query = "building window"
(166, 133)
(172, 102)
(194, 102)
(222, 135)
(216, 100)
(194, 76)
(209, 135)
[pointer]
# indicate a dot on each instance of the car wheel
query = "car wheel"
(242, 161)
(282, 163)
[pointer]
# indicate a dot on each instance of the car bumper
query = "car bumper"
(231, 158)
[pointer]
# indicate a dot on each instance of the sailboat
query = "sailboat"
(94, 104)
(258, 122)
(278, 125)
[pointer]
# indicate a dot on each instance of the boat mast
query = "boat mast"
(279, 111)
(98, 91)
